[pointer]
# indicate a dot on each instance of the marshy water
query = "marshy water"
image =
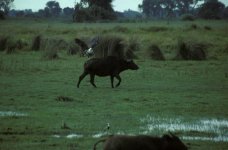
(205, 129)
(195, 129)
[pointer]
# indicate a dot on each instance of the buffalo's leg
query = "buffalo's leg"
(112, 79)
(92, 76)
(118, 77)
(81, 78)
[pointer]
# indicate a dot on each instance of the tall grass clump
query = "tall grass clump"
(155, 53)
(10, 44)
(50, 49)
(73, 49)
(3, 43)
(110, 46)
(188, 50)
(36, 43)
(131, 48)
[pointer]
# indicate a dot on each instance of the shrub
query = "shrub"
(73, 49)
(193, 26)
(36, 43)
(211, 10)
(93, 13)
(21, 44)
(132, 47)
(155, 52)
(11, 45)
(3, 43)
(110, 46)
(2, 15)
(191, 51)
(50, 48)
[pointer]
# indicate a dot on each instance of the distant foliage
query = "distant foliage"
(167, 8)
(212, 9)
(187, 17)
(53, 8)
(2, 15)
(5, 6)
(67, 11)
(87, 11)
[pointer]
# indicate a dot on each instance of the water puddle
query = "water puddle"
(201, 138)
(202, 129)
(69, 136)
(12, 114)
(98, 135)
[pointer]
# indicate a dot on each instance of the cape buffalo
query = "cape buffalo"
(142, 142)
(108, 66)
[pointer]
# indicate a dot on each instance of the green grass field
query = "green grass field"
(188, 98)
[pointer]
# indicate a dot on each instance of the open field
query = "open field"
(188, 98)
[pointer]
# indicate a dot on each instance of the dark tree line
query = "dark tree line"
(92, 10)
(208, 9)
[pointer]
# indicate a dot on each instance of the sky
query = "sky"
(118, 5)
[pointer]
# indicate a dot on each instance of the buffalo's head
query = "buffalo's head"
(131, 65)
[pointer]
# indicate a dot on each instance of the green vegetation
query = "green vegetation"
(44, 94)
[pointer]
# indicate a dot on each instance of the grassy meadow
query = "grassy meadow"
(188, 98)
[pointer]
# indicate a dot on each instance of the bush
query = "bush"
(93, 13)
(36, 43)
(193, 26)
(110, 46)
(191, 51)
(50, 47)
(211, 10)
(11, 45)
(21, 44)
(2, 15)
(187, 17)
(73, 49)
(3, 43)
(155, 52)
(132, 47)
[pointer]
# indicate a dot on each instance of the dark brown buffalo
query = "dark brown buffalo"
(108, 66)
(142, 142)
